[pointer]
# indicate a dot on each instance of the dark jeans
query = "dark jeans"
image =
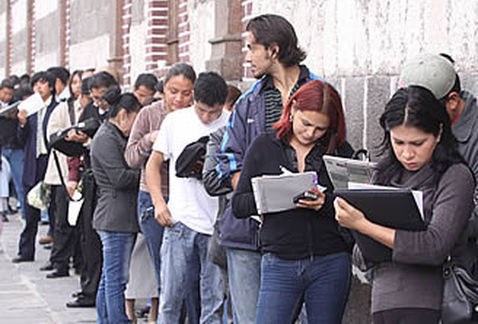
(90, 241)
(322, 282)
(64, 235)
(407, 315)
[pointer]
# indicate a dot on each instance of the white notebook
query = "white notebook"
(275, 193)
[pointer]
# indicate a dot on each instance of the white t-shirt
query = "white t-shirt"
(189, 202)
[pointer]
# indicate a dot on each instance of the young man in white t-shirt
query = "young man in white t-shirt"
(190, 213)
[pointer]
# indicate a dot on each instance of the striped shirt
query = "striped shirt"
(273, 98)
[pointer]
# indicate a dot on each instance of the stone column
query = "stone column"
(226, 55)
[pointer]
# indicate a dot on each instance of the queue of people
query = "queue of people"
(164, 175)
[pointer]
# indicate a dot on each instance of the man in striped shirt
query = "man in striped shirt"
(274, 57)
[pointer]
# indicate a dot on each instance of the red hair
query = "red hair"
(317, 96)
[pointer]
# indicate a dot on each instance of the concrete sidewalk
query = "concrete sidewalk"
(26, 296)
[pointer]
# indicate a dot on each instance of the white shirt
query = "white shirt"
(189, 202)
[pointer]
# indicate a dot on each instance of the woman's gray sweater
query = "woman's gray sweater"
(414, 278)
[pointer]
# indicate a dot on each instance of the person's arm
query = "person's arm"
(107, 152)
(161, 152)
(210, 177)
(243, 203)
(141, 140)
(450, 212)
(153, 181)
(234, 144)
(22, 129)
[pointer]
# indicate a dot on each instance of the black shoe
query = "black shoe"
(5, 218)
(77, 294)
(44, 222)
(81, 302)
(47, 267)
(48, 246)
(20, 258)
(57, 274)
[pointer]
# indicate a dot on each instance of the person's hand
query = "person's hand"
(347, 215)
(22, 117)
(71, 187)
(197, 167)
(76, 136)
(162, 215)
(153, 135)
(315, 204)
(235, 179)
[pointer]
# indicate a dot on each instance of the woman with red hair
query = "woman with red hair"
(305, 257)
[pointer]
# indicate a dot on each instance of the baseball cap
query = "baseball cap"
(430, 71)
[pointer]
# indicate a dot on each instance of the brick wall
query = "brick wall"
(125, 41)
(183, 31)
(156, 46)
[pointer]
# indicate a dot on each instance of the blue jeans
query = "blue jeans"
(244, 271)
(110, 300)
(15, 158)
(322, 282)
(181, 247)
(152, 231)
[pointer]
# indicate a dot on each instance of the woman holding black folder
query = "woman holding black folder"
(419, 153)
(305, 257)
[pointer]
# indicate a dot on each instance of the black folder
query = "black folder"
(391, 208)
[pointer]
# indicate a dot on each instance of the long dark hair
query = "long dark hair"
(417, 107)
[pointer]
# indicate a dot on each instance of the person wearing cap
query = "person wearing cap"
(437, 74)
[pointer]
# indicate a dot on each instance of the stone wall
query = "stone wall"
(93, 25)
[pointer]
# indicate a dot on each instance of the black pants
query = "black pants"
(64, 235)
(91, 247)
(407, 316)
(26, 245)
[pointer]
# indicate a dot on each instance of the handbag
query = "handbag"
(39, 196)
(460, 295)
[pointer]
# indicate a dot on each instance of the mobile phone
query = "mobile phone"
(306, 195)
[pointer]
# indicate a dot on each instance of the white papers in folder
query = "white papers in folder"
(32, 104)
(342, 170)
(417, 194)
(275, 193)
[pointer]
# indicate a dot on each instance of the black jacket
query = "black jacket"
(292, 234)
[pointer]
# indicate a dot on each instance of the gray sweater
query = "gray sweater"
(414, 278)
